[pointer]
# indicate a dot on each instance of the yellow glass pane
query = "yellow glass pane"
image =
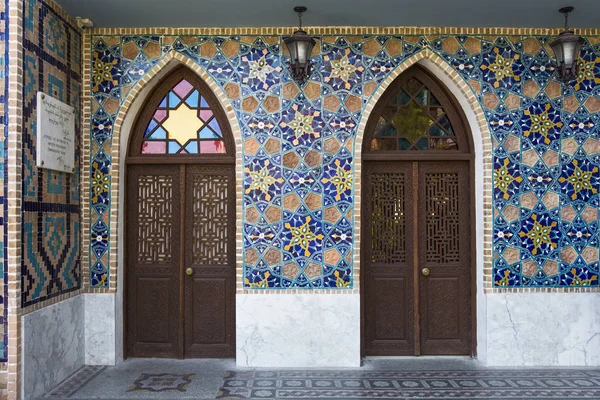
(183, 124)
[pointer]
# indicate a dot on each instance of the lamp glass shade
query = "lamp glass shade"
(566, 48)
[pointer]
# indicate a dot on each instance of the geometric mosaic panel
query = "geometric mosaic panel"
(298, 147)
(51, 211)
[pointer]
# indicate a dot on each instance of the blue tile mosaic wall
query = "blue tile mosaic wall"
(51, 214)
(299, 148)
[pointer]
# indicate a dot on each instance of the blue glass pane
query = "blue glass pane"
(151, 127)
(173, 147)
(160, 133)
(215, 125)
(192, 147)
(173, 100)
(203, 102)
(163, 103)
(207, 133)
(192, 100)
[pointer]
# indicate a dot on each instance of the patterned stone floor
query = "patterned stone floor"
(424, 378)
(486, 384)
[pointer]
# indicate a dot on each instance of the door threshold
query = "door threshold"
(449, 357)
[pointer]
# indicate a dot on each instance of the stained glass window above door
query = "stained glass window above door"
(413, 119)
(183, 123)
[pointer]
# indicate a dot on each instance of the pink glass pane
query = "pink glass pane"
(183, 88)
(205, 115)
(212, 147)
(159, 115)
(153, 148)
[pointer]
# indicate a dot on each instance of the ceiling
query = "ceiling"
(251, 13)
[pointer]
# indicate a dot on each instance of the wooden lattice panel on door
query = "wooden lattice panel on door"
(388, 218)
(155, 210)
(442, 218)
(210, 219)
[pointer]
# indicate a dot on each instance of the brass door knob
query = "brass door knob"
(189, 272)
(425, 271)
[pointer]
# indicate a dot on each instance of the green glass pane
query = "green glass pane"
(388, 130)
(403, 98)
(435, 130)
(436, 112)
(422, 144)
(403, 144)
(380, 144)
(445, 123)
(412, 122)
(443, 144)
(422, 97)
(413, 86)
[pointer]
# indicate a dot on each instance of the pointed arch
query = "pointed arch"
(128, 112)
(482, 149)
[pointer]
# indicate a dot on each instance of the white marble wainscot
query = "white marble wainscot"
(53, 346)
(298, 330)
(100, 343)
(543, 329)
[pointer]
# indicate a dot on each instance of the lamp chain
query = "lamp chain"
(300, 20)
(566, 21)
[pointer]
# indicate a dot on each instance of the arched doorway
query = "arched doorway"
(417, 206)
(180, 224)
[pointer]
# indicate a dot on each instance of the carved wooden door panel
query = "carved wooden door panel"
(209, 298)
(417, 258)
(180, 261)
(153, 261)
(445, 250)
(388, 255)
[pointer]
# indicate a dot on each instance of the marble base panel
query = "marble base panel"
(543, 329)
(52, 345)
(100, 343)
(298, 330)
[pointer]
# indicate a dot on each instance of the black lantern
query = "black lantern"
(300, 46)
(566, 49)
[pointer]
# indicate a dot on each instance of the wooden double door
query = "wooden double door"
(417, 252)
(180, 297)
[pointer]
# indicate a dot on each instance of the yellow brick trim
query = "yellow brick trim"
(132, 96)
(343, 31)
(14, 195)
(86, 148)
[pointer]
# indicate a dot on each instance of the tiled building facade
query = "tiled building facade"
(298, 178)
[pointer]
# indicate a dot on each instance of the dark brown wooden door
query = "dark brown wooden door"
(210, 253)
(417, 217)
(153, 261)
(180, 261)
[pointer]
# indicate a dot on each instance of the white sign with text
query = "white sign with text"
(55, 134)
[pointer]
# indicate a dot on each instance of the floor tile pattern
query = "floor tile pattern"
(76, 381)
(161, 383)
(485, 384)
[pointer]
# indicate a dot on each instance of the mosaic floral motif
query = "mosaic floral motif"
(588, 70)
(105, 72)
(580, 180)
(302, 125)
(342, 180)
(503, 65)
(262, 67)
(537, 236)
(342, 69)
(302, 236)
(261, 180)
(504, 181)
(299, 158)
(541, 123)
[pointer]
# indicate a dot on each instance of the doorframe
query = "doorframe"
(131, 107)
(475, 128)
